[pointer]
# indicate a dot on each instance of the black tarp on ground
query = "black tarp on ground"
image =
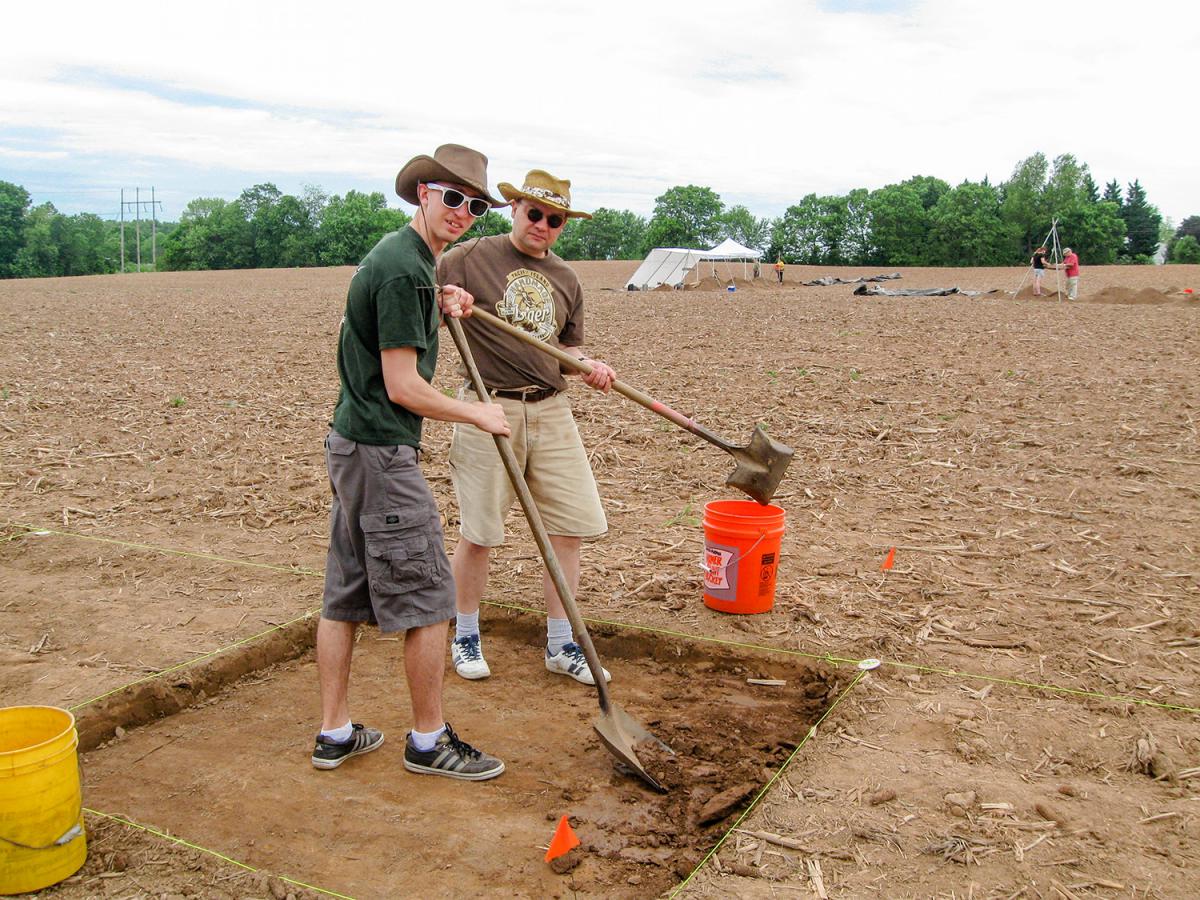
(829, 280)
(872, 291)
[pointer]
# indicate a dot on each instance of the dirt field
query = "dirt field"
(1031, 732)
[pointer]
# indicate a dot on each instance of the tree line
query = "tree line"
(37, 241)
(922, 221)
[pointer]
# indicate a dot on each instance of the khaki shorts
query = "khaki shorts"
(551, 456)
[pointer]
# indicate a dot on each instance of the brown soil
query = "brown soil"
(1034, 464)
(190, 774)
(1114, 294)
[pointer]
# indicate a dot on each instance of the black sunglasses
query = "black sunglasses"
(453, 199)
(554, 220)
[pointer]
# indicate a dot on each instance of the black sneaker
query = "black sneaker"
(452, 757)
(330, 754)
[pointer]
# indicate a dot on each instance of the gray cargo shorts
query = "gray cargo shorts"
(387, 557)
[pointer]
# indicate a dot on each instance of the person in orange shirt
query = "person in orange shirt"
(1070, 265)
(779, 269)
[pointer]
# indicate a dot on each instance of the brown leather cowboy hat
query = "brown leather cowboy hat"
(450, 162)
(544, 188)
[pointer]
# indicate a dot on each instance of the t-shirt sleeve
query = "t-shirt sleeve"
(404, 310)
(571, 334)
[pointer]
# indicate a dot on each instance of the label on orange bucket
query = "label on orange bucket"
(716, 564)
(766, 575)
(720, 571)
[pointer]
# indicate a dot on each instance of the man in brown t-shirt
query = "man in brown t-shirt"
(518, 278)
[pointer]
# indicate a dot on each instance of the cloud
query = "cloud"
(15, 153)
(765, 102)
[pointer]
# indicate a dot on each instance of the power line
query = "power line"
(137, 204)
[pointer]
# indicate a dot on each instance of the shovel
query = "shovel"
(617, 729)
(760, 464)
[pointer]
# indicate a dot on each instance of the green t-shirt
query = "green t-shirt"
(392, 302)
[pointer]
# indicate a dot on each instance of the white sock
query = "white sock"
(424, 742)
(466, 624)
(339, 735)
(558, 634)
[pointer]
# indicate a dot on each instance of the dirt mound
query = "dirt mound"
(711, 283)
(1123, 296)
(754, 284)
(708, 283)
(1026, 293)
(1145, 296)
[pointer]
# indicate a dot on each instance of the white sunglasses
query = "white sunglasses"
(453, 198)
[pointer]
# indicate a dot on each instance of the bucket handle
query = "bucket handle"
(710, 571)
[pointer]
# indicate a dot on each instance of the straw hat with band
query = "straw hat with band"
(544, 188)
(450, 162)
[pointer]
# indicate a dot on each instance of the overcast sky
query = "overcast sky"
(762, 101)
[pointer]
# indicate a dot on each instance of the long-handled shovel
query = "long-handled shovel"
(617, 729)
(760, 464)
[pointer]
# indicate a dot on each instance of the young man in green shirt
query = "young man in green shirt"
(387, 561)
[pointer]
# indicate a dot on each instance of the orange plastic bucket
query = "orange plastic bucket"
(741, 555)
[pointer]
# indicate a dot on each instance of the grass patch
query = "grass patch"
(686, 516)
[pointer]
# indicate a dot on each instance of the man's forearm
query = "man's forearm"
(430, 403)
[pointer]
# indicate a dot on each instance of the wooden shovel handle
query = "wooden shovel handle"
(620, 387)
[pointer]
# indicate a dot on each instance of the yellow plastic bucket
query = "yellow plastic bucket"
(42, 840)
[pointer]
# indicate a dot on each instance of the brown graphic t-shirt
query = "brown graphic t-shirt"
(542, 296)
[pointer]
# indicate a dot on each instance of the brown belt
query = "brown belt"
(528, 395)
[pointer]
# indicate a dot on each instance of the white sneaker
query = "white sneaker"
(571, 661)
(467, 655)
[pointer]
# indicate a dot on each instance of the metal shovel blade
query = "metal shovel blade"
(760, 466)
(618, 731)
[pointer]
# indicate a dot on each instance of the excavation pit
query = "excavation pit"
(231, 773)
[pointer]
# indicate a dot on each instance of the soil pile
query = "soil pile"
(1145, 297)
(707, 283)
(1124, 296)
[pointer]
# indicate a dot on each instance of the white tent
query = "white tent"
(663, 265)
(730, 250)
(671, 265)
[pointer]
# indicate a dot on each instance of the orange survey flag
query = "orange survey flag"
(564, 841)
(889, 561)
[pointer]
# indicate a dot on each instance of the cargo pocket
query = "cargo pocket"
(338, 445)
(399, 557)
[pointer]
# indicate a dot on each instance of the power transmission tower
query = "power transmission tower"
(136, 205)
